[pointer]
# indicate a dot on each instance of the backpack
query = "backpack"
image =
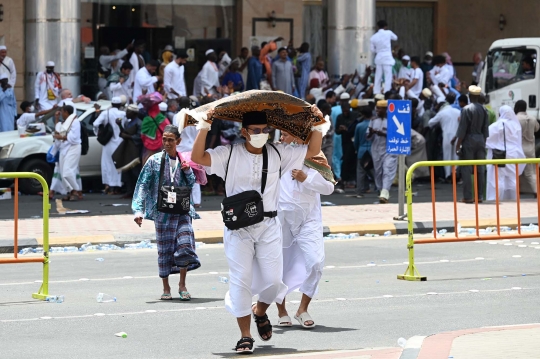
(84, 140)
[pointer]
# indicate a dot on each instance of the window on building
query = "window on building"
(508, 66)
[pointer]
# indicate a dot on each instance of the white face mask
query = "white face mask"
(258, 141)
(32, 108)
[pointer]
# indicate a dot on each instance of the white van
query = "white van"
(28, 154)
(505, 80)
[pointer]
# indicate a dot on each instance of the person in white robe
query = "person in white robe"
(7, 66)
(70, 151)
(448, 119)
(47, 88)
(301, 220)
(106, 60)
(384, 164)
(57, 183)
(110, 176)
(119, 83)
(136, 59)
(505, 135)
(209, 75)
(405, 75)
(173, 78)
(381, 45)
(439, 76)
(145, 80)
(254, 253)
(529, 126)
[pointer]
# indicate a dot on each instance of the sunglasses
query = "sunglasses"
(257, 131)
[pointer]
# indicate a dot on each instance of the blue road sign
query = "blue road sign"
(398, 140)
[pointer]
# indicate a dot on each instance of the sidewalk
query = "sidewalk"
(362, 219)
(516, 342)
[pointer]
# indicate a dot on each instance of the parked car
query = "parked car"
(28, 154)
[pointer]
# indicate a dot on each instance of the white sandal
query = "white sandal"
(284, 321)
(305, 317)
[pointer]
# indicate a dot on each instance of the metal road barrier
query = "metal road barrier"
(412, 274)
(44, 290)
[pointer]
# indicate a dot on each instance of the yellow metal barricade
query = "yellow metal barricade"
(412, 274)
(44, 290)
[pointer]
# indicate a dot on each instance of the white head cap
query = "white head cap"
(208, 52)
(345, 96)
(116, 101)
(429, 53)
(163, 106)
(123, 99)
(427, 92)
(379, 97)
(474, 90)
(50, 64)
(406, 58)
(441, 99)
(3, 47)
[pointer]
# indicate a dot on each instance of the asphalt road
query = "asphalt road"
(99, 204)
(351, 310)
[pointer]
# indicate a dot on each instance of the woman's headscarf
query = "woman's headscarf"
(506, 112)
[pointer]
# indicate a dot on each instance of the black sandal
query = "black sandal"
(265, 328)
(245, 343)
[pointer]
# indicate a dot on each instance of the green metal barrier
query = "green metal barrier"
(412, 274)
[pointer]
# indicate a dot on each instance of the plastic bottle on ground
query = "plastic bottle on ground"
(223, 280)
(387, 233)
(60, 299)
(442, 232)
(100, 259)
(26, 251)
(105, 298)
(71, 249)
(402, 342)
(51, 298)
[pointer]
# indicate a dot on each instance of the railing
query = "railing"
(44, 290)
(412, 273)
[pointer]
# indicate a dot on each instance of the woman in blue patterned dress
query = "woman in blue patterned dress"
(174, 233)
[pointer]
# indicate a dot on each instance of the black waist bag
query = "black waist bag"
(246, 208)
(183, 194)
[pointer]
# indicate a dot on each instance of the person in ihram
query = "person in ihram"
(301, 219)
(253, 246)
(174, 233)
(384, 164)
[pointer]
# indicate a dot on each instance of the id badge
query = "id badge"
(171, 197)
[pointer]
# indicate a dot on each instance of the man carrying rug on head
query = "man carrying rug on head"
(301, 219)
(174, 233)
(253, 238)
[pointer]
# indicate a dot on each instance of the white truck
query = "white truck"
(27, 154)
(507, 78)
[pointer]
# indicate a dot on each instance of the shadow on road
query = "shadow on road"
(263, 350)
(177, 300)
(318, 328)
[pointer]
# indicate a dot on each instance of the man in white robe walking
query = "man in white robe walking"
(209, 75)
(145, 80)
(381, 45)
(47, 88)
(254, 252)
(109, 175)
(301, 219)
(70, 151)
(7, 66)
(173, 78)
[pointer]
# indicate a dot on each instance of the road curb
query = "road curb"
(216, 236)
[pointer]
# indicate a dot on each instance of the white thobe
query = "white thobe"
(173, 78)
(439, 75)
(134, 61)
(57, 183)
(143, 81)
(381, 45)
(254, 253)
(301, 220)
(118, 89)
(7, 67)
(45, 81)
(209, 77)
(507, 175)
(106, 60)
(404, 73)
(70, 154)
(448, 119)
(109, 174)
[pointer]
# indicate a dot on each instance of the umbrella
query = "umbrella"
(284, 112)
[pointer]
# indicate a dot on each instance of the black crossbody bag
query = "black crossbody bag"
(247, 208)
(182, 194)
(500, 154)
